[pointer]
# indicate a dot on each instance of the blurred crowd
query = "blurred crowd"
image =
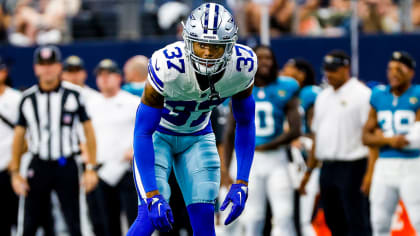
(29, 22)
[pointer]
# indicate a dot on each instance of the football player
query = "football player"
(172, 132)
(395, 109)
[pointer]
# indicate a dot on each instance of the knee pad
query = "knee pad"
(205, 190)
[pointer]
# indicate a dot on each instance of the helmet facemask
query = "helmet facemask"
(208, 66)
(223, 32)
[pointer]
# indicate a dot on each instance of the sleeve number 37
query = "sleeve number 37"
(177, 53)
(244, 62)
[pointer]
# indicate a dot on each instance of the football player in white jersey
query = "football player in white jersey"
(186, 81)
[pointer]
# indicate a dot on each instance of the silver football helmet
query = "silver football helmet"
(210, 23)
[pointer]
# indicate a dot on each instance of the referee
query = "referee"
(49, 111)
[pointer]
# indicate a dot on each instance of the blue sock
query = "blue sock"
(142, 226)
(202, 219)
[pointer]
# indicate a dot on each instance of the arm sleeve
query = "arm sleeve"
(147, 120)
(244, 114)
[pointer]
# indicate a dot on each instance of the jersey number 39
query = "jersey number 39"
(396, 123)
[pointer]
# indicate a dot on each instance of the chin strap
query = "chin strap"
(214, 95)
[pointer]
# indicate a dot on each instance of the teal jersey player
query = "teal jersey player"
(270, 102)
(307, 96)
(396, 115)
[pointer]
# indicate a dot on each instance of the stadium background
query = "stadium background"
(374, 53)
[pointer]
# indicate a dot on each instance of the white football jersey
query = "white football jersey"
(187, 108)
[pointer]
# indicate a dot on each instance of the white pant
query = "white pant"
(307, 204)
(270, 179)
(394, 178)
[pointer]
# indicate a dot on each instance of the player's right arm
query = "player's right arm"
(148, 117)
(377, 139)
(161, 70)
(369, 138)
(152, 98)
(147, 120)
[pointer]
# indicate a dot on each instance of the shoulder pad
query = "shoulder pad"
(166, 64)
(378, 89)
(244, 60)
(375, 96)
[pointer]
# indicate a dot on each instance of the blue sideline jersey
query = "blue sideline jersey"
(395, 116)
(307, 97)
(270, 102)
(134, 88)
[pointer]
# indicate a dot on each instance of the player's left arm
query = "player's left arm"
(293, 119)
(243, 108)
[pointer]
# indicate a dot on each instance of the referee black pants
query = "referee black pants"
(106, 203)
(8, 204)
(346, 207)
(43, 177)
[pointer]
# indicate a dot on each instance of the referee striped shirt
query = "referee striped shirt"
(52, 118)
